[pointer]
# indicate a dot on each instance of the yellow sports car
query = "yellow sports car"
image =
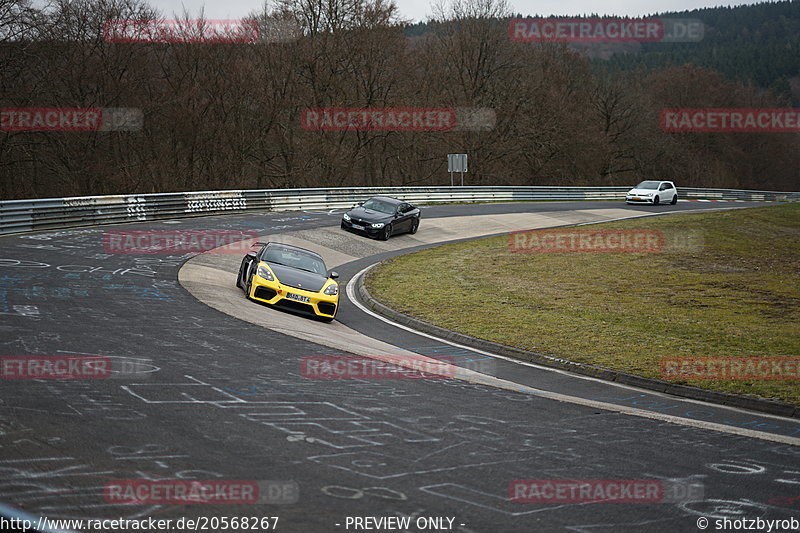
(290, 278)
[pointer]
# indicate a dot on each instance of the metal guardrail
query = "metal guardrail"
(17, 216)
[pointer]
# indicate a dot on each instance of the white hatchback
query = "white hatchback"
(653, 193)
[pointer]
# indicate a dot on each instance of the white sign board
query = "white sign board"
(456, 162)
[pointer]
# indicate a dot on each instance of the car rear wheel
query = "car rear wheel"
(414, 226)
(656, 200)
(674, 200)
(387, 232)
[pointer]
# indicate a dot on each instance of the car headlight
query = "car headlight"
(265, 273)
(346, 217)
(377, 225)
(331, 290)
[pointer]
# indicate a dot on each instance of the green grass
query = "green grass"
(731, 289)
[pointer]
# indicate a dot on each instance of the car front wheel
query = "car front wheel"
(249, 284)
(240, 274)
(414, 226)
(656, 200)
(387, 232)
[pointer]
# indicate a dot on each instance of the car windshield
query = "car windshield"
(648, 185)
(294, 258)
(379, 206)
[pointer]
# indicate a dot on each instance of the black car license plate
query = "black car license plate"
(299, 298)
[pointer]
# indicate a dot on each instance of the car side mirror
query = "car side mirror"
(359, 204)
(333, 274)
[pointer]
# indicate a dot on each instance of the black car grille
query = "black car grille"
(295, 306)
(326, 308)
(363, 223)
(265, 293)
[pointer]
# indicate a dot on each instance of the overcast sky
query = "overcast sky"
(420, 9)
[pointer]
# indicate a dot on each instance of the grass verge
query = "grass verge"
(724, 285)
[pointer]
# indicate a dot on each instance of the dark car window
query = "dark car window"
(647, 185)
(379, 206)
(294, 258)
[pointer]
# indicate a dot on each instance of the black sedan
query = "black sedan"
(381, 217)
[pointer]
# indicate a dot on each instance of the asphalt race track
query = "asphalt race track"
(217, 394)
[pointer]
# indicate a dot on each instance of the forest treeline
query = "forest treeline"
(757, 43)
(227, 116)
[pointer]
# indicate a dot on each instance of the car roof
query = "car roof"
(387, 199)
